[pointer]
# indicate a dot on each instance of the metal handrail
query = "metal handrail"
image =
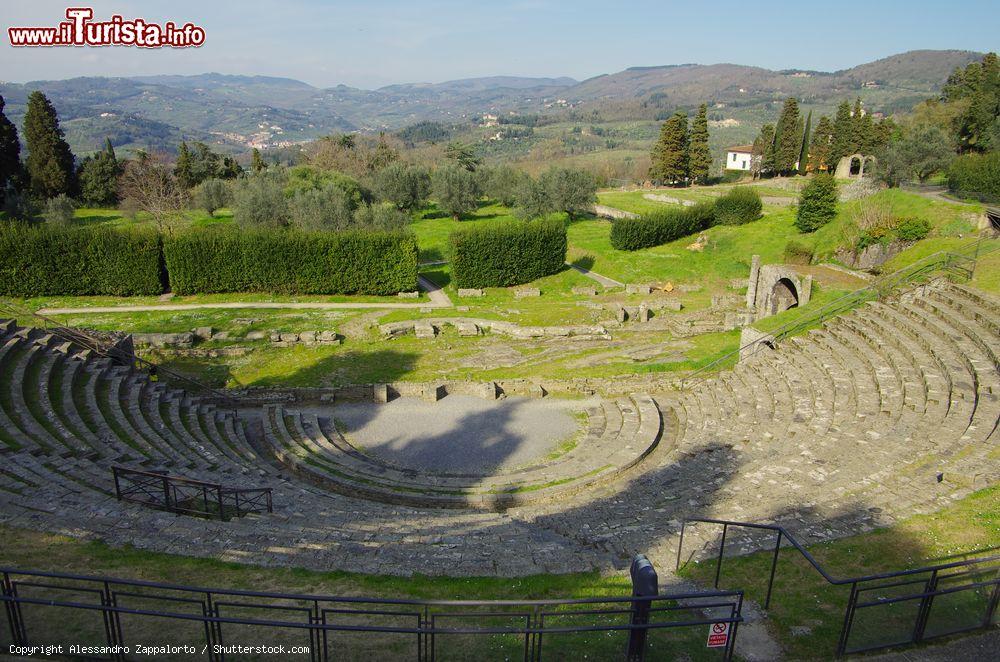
(892, 280)
(251, 495)
(87, 341)
(853, 582)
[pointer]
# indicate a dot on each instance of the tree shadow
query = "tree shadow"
(585, 262)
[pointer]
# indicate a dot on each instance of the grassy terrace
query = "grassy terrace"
(801, 600)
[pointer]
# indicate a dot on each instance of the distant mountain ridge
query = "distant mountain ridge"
(237, 112)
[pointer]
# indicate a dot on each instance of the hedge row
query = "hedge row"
(504, 254)
(661, 226)
(45, 260)
(741, 204)
(976, 175)
(353, 262)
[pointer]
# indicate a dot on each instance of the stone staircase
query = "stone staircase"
(619, 435)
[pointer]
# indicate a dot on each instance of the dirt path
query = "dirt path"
(438, 299)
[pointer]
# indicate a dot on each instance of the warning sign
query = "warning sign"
(718, 635)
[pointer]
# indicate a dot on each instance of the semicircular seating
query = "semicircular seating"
(620, 433)
(885, 411)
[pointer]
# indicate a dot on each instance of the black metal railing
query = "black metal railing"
(959, 262)
(47, 608)
(189, 497)
(98, 346)
(905, 604)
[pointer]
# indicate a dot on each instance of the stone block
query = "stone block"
(468, 328)
(737, 283)
(688, 287)
(433, 392)
(396, 329)
(490, 391)
(585, 290)
(202, 333)
(288, 337)
(409, 295)
(380, 393)
(527, 292)
(469, 292)
(275, 336)
(620, 314)
(671, 304)
(643, 313)
(164, 340)
(328, 338)
(462, 309)
(426, 309)
(307, 337)
(424, 330)
(638, 288)
(256, 335)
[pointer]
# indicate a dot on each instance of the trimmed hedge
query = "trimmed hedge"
(291, 262)
(44, 261)
(738, 206)
(976, 176)
(661, 226)
(505, 254)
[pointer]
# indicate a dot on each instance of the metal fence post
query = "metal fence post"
(845, 630)
(644, 584)
(774, 566)
(923, 613)
(722, 549)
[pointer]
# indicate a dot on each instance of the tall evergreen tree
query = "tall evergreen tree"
(670, 153)
(787, 134)
(821, 145)
(10, 155)
(700, 158)
(257, 161)
(99, 177)
(804, 149)
(762, 154)
(50, 162)
(184, 168)
(858, 126)
(843, 136)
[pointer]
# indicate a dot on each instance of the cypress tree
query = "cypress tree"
(787, 135)
(821, 144)
(50, 162)
(10, 154)
(700, 158)
(843, 136)
(762, 154)
(858, 127)
(804, 150)
(670, 153)
(184, 168)
(257, 161)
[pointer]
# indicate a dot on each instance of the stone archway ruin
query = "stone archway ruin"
(774, 288)
(855, 166)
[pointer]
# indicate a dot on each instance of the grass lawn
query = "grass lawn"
(803, 599)
(114, 217)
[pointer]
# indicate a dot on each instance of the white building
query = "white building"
(738, 158)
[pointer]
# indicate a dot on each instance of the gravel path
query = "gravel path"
(459, 434)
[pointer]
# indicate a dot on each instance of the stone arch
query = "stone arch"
(853, 166)
(784, 295)
(857, 166)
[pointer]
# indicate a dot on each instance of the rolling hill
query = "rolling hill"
(237, 112)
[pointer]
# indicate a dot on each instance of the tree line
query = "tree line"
(345, 181)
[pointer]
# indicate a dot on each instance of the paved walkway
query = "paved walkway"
(603, 280)
(438, 299)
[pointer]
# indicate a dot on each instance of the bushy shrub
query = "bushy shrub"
(817, 203)
(291, 262)
(661, 226)
(380, 216)
(505, 254)
(305, 177)
(326, 208)
(913, 229)
(456, 190)
(211, 194)
(976, 175)
(259, 200)
(739, 205)
(46, 260)
(59, 210)
(404, 185)
(503, 184)
(798, 253)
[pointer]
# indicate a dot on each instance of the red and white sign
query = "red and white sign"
(718, 635)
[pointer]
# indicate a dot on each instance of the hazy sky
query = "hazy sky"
(372, 43)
